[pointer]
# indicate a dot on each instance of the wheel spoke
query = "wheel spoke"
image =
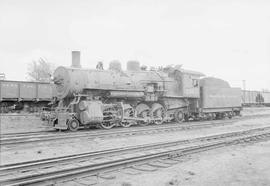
(159, 115)
(143, 115)
(127, 113)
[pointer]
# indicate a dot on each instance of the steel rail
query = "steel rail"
(112, 133)
(109, 133)
(52, 131)
(43, 133)
(173, 147)
(118, 150)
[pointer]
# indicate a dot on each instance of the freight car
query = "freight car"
(17, 96)
(266, 98)
(255, 98)
(114, 97)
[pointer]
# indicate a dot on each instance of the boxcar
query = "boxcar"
(252, 97)
(266, 98)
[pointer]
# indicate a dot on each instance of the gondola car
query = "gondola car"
(17, 96)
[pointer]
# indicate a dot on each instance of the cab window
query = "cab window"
(195, 82)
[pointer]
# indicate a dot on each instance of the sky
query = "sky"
(225, 39)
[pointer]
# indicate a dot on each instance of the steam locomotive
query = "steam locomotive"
(113, 97)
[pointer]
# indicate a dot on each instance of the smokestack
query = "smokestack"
(76, 63)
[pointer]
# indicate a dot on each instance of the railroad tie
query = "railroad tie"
(144, 167)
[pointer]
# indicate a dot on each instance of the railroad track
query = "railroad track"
(15, 139)
(56, 170)
(11, 140)
(21, 134)
(24, 134)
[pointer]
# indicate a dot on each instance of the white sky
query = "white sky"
(225, 39)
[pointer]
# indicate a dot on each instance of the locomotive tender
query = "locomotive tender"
(114, 97)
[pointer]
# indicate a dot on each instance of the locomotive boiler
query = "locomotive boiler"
(117, 97)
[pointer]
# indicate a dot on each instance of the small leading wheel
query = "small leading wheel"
(107, 125)
(73, 125)
(179, 116)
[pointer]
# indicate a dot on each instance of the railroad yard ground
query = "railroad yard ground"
(242, 164)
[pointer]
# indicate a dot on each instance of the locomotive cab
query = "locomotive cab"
(191, 89)
(190, 84)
